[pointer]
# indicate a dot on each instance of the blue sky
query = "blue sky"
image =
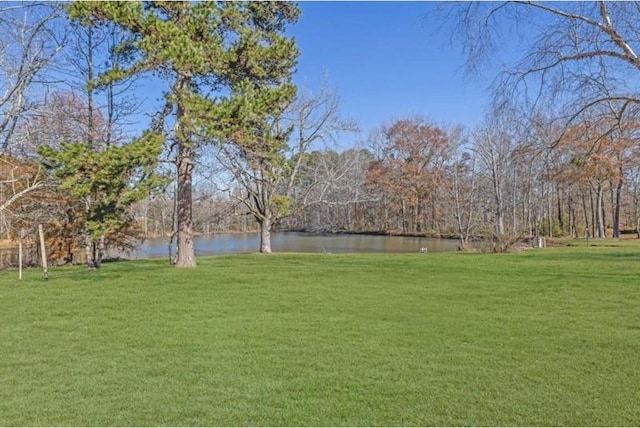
(387, 62)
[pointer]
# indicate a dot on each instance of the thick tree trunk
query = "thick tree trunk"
(184, 193)
(265, 235)
(186, 253)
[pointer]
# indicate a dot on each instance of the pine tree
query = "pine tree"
(208, 53)
(106, 182)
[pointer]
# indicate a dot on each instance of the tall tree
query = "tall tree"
(256, 157)
(493, 147)
(203, 51)
(413, 153)
(461, 189)
(266, 154)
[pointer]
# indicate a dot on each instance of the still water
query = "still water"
(227, 243)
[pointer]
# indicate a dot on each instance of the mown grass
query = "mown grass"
(546, 337)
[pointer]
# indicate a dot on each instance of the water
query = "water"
(291, 242)
(229, 243)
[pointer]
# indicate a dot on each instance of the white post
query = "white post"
(20, 259)
(43, 251)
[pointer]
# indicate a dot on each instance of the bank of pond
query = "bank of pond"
(284, 242)
(237, 243)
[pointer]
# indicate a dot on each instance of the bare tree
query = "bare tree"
(334, 192)
(578, 56)
(31, 41)
(93, 50)
(269, 176)
(493, 147)
(461, 188)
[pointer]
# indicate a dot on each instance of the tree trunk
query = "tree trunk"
(184, 193)
(496, 178)
(88, 251)
(559, 207)
(101, 248)
(586, 215)
(416, 217)
(572, 216)
(404, 216)
(265, 235)
(88, 241)
(549, 215)
(499, 208)
(593, 214)
(186, 253)
(600, 231)
(499, 222)
(616, 209)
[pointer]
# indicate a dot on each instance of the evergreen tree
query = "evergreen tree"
(107, 183)
(209, 53)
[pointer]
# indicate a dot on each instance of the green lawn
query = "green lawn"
(545, 337)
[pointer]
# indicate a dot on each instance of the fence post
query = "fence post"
(43, 253)
(20, 259)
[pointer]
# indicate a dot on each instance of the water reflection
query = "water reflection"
(225, 243)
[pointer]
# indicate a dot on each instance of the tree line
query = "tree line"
(230, 144)
(420, 178)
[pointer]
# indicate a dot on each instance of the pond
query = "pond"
(292, 242)
(228, 243)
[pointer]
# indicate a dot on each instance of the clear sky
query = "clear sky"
(385, 59)
(387, 62)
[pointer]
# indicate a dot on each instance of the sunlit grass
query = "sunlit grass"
(545, 337)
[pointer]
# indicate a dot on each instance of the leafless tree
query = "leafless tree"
(461, 188)
(271, 181)
(578, 56)
(493, 148)
(93, 50)
(30, 43)
(334, 191)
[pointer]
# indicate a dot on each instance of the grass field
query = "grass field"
(545, 337)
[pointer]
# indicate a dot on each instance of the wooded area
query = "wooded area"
(233, 145)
